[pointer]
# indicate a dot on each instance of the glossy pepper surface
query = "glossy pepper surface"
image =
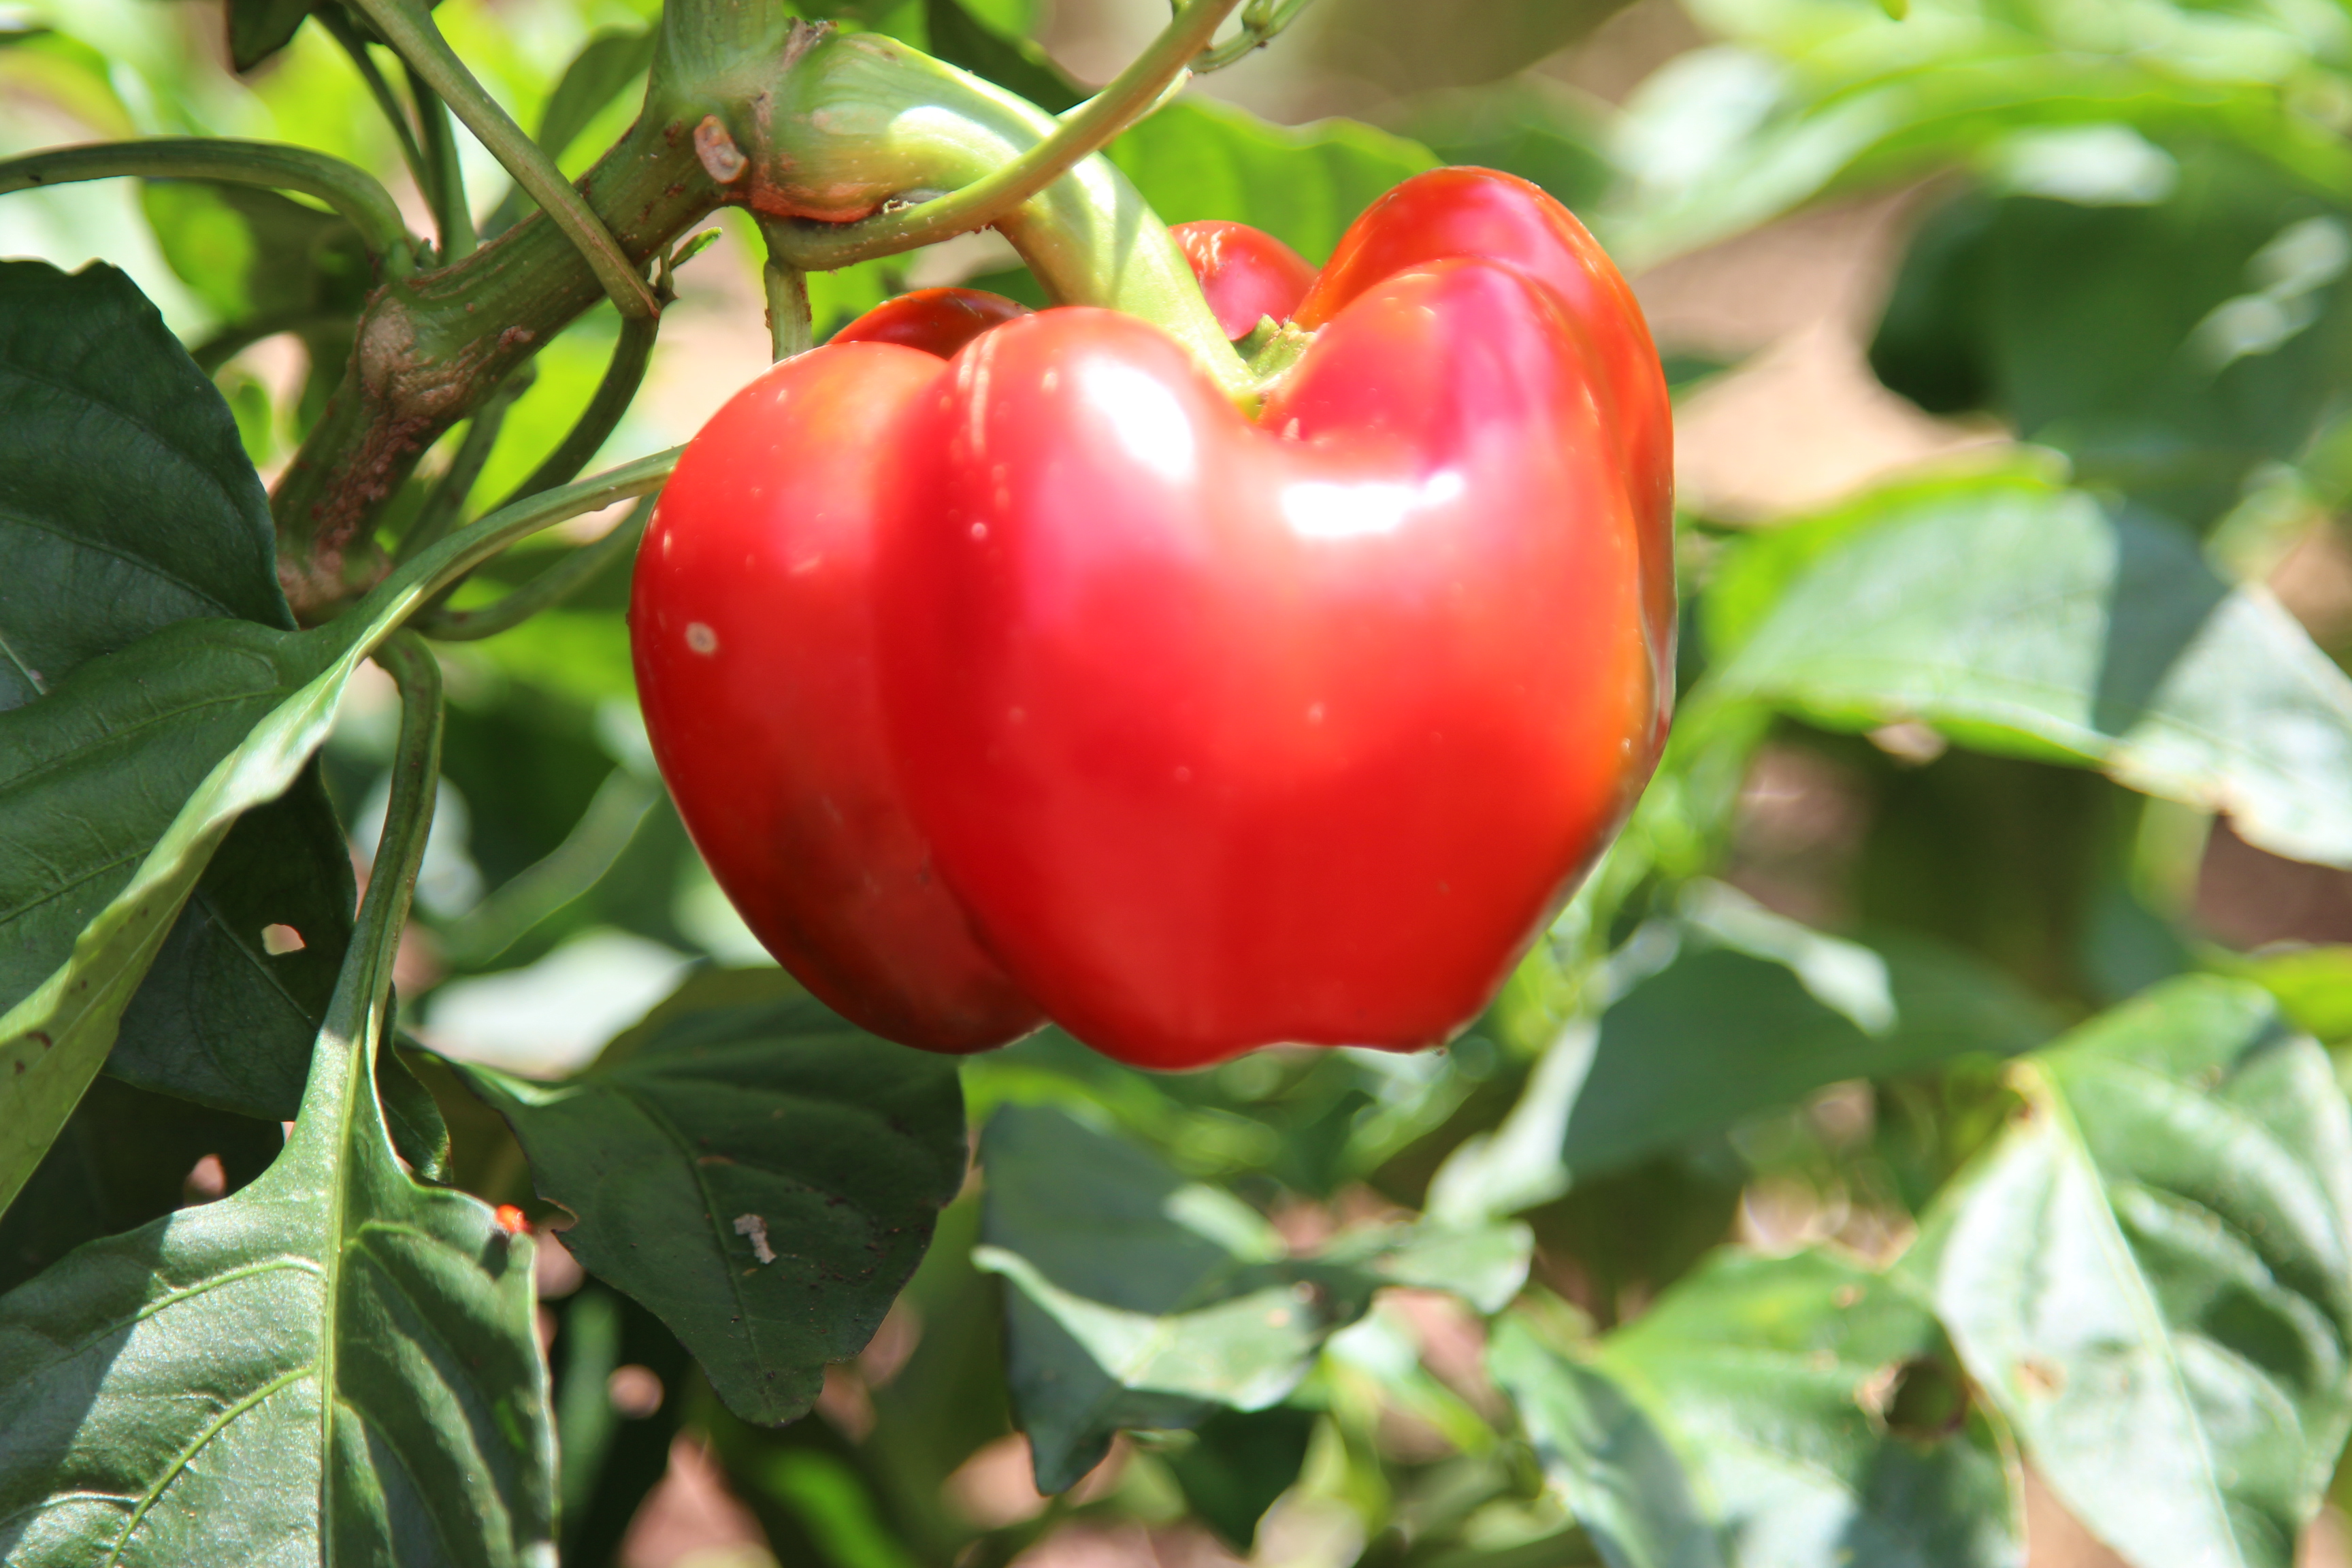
(1210, 731)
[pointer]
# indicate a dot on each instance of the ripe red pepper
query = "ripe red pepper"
(1221, 731)
(935, 321)
(1245, 273)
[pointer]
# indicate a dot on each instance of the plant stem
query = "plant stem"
(1131, 94)
(550, 587)
(407, 816)
(227, 344)
(339, 26)
(1260, 22)
(449, 491)
(631, 353)
(791, 330)
(344, 1062)
(349, 189)
(436, 570)
(864, 120)
(411, 33)
(451, 216)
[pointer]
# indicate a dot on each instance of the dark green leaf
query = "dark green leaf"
(1825, 1415)
(962, 39)
(2169, 346)
(2019, 617)
(1753, 1011)
(1200, 159)
(762, 1175)
(1139, 1299)
(126, 501)
(127, 506)
(221, 1019)
(1603, 1456)
(335, 1363)
(260, 28)
(1239, 1462)
(118, 787)
(2150, 1273)
(122, 1160)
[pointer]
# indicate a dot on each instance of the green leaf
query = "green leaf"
(1239, 1463)
(220, 1018)
(1753, 1011)
(126, 501)
(125, 490)
(2019, 617)
(1201, 159)
(604, 68)
(1825, 1415)
(1603, 1456)
(1528, 126)
(118, 787)
(1825, 98)
(2171, 337)
(762, 1175)
(2150, 1273)
(335, 1363)
(260, 28)
(2312, 987)
(962, 38)
(122, 1160)
(256, 256)
(1139, 1299)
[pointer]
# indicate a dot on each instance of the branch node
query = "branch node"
(721, 159)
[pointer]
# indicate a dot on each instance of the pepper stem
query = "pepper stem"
(864, 122)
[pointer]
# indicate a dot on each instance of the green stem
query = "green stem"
(350, 190)
(1131, 94)
(550, 587)
(1261, 20)
(227, 344)
(792, 328)
(436, 570)
(337, 25)
(864, 120)
(411, 33)
(347, 1036)
(631, 353)
(448, 499)
(451, 216)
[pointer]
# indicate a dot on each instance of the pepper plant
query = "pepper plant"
(1723, 1238)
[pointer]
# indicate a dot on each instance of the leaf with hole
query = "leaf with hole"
(762, 1175)
(1824, 1415)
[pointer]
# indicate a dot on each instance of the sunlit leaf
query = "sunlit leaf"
(2151, 1275)
(1304, 185)
(1825, 1417)
(1603, 1455)
(1753, 1011)
(334, 1362)
(2020, 617)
